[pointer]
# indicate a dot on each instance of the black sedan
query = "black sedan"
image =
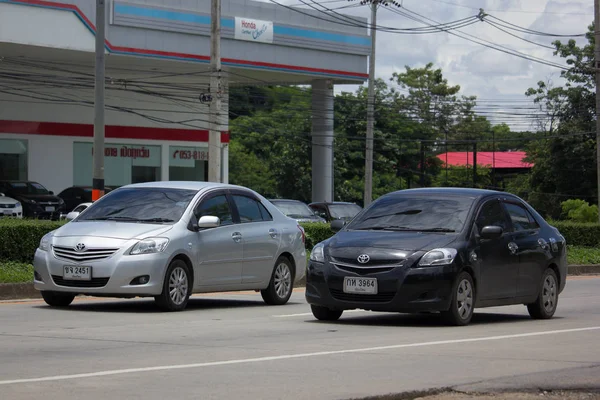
(446, 250)
(75, 195)
(37, 201)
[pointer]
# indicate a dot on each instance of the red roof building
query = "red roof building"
(500, 160)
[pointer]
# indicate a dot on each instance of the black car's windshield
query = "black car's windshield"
(153, 205)
(294, 209)
(27, 188)
(344, 211)
(415, 213)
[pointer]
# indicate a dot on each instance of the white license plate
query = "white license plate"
(77, 273)
(50, 209)
(8, 212)
(360, 285)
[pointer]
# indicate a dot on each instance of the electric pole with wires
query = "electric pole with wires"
(368, 193)
(597, 65)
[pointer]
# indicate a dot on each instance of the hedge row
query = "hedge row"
(20, 238)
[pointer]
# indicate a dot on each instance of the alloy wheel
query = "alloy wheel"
(283, 280)
(178, 285)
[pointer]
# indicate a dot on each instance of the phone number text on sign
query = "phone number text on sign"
(191, 155)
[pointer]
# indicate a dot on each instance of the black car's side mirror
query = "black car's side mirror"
(491, 232)
(337, 225)
(51, 193)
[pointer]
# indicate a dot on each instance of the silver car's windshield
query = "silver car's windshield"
(152, 205)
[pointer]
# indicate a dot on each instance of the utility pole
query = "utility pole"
(98, 156)
(597, 67)
(214, 138)
(368, 196)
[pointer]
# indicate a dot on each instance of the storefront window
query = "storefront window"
(188, 163)
(13, 159)
(123, 164)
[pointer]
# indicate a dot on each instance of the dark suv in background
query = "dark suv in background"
(75, 195)
(37, 201)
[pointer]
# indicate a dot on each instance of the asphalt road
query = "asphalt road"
(232, 346)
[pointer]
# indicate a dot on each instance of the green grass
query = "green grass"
(12, 272)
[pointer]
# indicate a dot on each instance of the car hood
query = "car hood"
(36, 197)
(408, 242)
(111, 229)
(7, 200)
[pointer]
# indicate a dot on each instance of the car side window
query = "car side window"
(491, 214)
(522, 219)
(248, 209)
(266, 215)
(216, 206)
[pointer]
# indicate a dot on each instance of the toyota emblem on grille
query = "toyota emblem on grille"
(363, 258)
(80, 247)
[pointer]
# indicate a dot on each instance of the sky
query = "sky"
(494, 77)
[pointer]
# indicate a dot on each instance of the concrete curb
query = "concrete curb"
(18, 291)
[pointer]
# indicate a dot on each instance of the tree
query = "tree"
(565, 164)
(246, 169)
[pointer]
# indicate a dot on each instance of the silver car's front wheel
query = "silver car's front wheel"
(281, 285)
(176, 287)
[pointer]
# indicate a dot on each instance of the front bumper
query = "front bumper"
(400, 289)
(39, 212)
(110, 277)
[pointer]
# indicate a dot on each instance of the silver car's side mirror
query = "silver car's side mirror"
(208, 221)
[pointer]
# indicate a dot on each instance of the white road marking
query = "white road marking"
(289, 356)
(308, 314)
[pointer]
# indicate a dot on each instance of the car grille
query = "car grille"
(69, 253)
(7, 205)
(363, 271)
(93, 283)
(383, 297)
(371, 263)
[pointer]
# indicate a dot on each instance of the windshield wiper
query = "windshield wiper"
(113, 218)
(437, 230)
(386, 228)
(156, 220)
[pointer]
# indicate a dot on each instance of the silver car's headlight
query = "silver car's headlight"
(45, 241)
(317, 254)
(438, 257)
(149, 246)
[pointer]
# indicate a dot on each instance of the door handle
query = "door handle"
(512, 246)
(273, 233)
(236, 236)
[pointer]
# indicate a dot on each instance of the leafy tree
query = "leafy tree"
(246, 169)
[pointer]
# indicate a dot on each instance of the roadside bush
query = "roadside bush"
(579, 233)
(315, 233)
(20, 238)
(579, 210)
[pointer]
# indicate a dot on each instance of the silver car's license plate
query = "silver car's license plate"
(360, 285)
(77, 273)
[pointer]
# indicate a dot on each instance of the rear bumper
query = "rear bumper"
(401, 289)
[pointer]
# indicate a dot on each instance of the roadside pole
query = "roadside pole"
(214, 139)
(98, 156)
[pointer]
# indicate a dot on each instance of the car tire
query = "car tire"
(325, 314)
(545, 305)
(281, 285)
(463, 301)
(177, 287)
(57, 299)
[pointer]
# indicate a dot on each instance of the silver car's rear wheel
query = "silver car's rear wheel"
(281, 285)
(176, 287)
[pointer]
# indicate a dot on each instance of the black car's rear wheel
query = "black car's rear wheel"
(325, 314)
(545, 305)
(463, 301)
(57, 299)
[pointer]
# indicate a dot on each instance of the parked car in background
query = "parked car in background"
(446, 250)
(10, 207)
(75, 195)
(77, 210)
(168, 240)
(37, 201)
(336, 210)
(297, 210)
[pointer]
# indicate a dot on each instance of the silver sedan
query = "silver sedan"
(168, 240)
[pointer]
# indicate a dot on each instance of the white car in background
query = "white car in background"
(10, 207)
(76, 211)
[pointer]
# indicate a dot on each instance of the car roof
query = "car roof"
(333, 202)
(456, 191)
(189, 185)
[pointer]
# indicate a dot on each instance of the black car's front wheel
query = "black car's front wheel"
(325, 314)
(544, 306)
(463, 301)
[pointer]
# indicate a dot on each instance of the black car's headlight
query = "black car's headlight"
(435, 257)
(317, 254)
